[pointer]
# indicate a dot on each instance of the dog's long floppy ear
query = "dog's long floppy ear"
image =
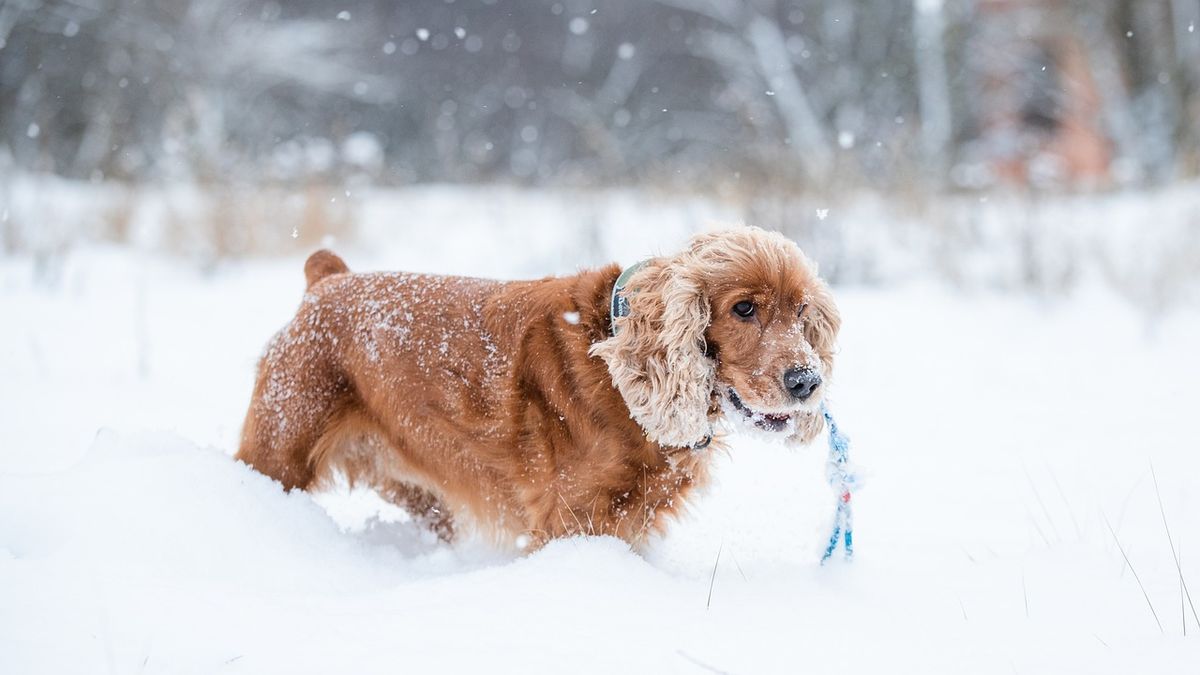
(821, 326)
(822, 323)
(657, 358)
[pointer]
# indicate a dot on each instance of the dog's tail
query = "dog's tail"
(322, 264)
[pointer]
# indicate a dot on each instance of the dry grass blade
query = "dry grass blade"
(713, 579)
(1025, 593)
(737, 565)
(1038, 496)
(1174, 555)
(1036, 527)
(1063, 496)
(1135, 574)
(700, 663)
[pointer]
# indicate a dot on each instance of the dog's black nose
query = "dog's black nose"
(801, 382)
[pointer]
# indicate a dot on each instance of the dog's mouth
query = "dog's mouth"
(774, 422)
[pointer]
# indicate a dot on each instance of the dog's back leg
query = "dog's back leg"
(356, 446)
(296, 396)
(425, 507)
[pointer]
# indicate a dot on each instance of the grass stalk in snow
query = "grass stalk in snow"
(1135, 574)
(737, 565)
(1037, 527)
(1174, 555)
(1025, 593)
(1038, 496)
(1063, 496)
(700, 663)
(1128, 499)
(713, 579)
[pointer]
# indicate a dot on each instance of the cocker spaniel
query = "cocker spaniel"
(538, 409)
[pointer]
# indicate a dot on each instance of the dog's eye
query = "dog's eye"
(744, 309)
(803, 306)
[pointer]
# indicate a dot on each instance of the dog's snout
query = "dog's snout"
(801, 382)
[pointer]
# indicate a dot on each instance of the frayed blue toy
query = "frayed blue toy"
(843, 480)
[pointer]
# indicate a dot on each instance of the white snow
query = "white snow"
(997, 433)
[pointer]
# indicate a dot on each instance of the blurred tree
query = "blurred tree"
(798, 94)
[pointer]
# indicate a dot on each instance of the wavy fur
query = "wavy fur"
(508, 407)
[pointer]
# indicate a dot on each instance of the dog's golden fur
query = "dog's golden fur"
(509, 405)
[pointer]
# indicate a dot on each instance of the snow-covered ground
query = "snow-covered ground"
(999, 434)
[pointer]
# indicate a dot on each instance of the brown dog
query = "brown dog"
(525, 408)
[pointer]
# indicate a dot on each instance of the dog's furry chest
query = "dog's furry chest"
(585, 483)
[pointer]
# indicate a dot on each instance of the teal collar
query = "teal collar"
(619, 302)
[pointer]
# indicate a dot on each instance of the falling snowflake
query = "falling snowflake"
(822, 214)
(422, 34)
(343, 15)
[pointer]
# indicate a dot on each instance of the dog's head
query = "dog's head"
(738, 325)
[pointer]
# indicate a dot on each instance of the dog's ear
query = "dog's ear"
(657, 358)
(822, 323)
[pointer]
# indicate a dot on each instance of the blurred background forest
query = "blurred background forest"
(1021, 136)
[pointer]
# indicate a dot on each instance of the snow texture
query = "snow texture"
(1000, 433)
